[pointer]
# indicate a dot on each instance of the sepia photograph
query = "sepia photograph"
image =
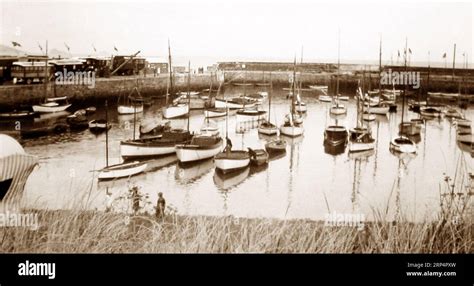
(323, 127)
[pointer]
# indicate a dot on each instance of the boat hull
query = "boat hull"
(136, 151)
(191, 153)
(292, 131)
(125, 109)
(213, 113)
(121, 171)
(220, 103)
(226, 165)
(50, 109)
(408, 147)
(175, 111)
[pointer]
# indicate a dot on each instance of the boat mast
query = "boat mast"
(46, 73)
(170, 73)
(270, 99)
(106, 135)
(380, 66)
(293, 91)
(189, 94)
(405, 86)
(338, 65)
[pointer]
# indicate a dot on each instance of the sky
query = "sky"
(244, 30)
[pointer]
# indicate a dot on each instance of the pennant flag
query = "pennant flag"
(67, 47)
(16, 44)
(409, 50)
(41, 48)
(94, 48)
(398, 53)
(444, 55)
(115, 48)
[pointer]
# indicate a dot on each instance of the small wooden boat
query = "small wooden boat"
(381, 108)
(338, 109)
(231, 160)
(276, 146)
(258, 157)
(129, 109)
(263, 93)
(121, 170)
(17, 114)
(154, 146)
(245, 115)
(402, 144)
(292, 129)
(175, 111)
(335, 135)
(267, 128)
(361, 140)
(215, 112)
(235, 103)
(429, 111)
(325, 98)
(194, 101)
(91, 110)
(98, 125)
(201, 147)
(344, 98)
(50, 107)
(210, 128)
(300, 107)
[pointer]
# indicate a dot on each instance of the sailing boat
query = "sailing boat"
(202, 146)
(377, 106)
(132, 105)
(264, 83)
(266, 127)
(401, 143)
(118, 170)
(231, 160)
(215, 112)
(337, 108)
(155, 146)
(360, 138)
(174, 110)
(292, 127)
(52, 104)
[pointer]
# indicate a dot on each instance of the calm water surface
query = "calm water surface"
(307, 182)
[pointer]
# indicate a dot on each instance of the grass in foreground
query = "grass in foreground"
(98, 232)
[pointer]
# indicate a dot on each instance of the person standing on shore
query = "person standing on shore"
(160, 206)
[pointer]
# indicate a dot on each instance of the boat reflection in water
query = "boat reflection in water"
(331, 149)
(229, 180)
(188, 173)
(361, 155)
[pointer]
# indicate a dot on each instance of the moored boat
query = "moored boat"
(258, 157)
(98, 125)
(276, 146)
(121, 170)
(402, 144)
(324, 98)
(201, 147)
(215, 112)
(154, 146)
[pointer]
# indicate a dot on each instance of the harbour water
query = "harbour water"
(307, 182)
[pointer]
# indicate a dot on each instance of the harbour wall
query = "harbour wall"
(22, 96)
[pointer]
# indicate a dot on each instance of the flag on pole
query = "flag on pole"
(115, 48)
(444, 55)
(94, 48)
(41, 48)
(67, 47)
(16, 44)
(409, 50)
